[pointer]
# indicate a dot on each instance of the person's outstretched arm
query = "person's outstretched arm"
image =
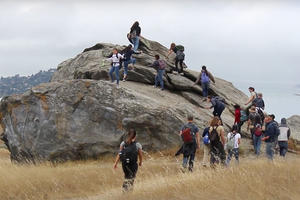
(117, 158)
(140, 157)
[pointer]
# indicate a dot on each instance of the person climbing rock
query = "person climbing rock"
(127, 54)
(180, 56)
(115, 64)
(134, 35)
(217, 104)
(204, 79)
(160, 66)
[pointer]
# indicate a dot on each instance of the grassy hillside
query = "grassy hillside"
(159, 178)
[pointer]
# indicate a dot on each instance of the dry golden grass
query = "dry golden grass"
(159, 178)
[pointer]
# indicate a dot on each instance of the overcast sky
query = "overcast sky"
(230, 37)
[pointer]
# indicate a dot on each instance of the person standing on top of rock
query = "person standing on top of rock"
(259, 102)
(115, 64)
(271, 133)
(179, 51)
(130, 152)
(127, 54)
(190, 136)
(285, 133)
(160, 66)
(134, 35)
(204, 79)
(217, 104)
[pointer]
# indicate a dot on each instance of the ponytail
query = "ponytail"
(130, 135)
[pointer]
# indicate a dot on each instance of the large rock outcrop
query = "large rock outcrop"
(80, 114)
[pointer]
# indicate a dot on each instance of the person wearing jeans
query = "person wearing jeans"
(115, 65)
(205, 87)
(236, 138)
(135, 33)
(126, 63)
(159, 65)
(283, 137)
(270, 136)
(257, 144)
(205, 78)
(189, 149)
(159, 78)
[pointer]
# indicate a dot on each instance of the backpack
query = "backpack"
(206, 140)
(112, 63)
(129, 153)
(162, 64)
(180, 55)
(214, 136)
(244, 116)
(261, 113)
(204, 77)
(230, 143)
(257, 130)
(180, 48)
(220, 99)
(187, 135)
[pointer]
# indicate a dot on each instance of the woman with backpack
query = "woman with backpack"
(115, 65)
(257, 134)
(130, 153)
(204, 79)
(160, 66)
(232, 145)
(179, 51)
(217, 142)
(134, 35)
(127, 54)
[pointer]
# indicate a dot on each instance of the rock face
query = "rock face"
(294, 124)
(80, 114)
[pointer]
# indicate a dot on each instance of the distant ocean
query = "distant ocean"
(281, 99)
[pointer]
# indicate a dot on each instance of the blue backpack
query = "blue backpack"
(204, 78)
(206, 137)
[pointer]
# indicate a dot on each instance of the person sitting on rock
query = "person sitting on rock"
(115, 64)
(130, 153)
(204, 79)
(217, 104)
(253, 95)
(179, 51)
(127, 54)
(134, 35)
(160, 66)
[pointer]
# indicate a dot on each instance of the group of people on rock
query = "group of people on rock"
(262, 127)
(124, 58)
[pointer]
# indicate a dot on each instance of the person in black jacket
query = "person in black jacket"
(127, 54)
(134, 35)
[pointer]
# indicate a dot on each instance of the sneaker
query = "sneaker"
(124, 80)
(154, 86)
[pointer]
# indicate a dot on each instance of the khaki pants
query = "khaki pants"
(205, 161)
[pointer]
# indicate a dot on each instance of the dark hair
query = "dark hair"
(234, 128)
(134, 26)
(237, 106)
(209, 97)
(257, 119)
(172, 46)
(272, 116)
(156, 57)
(204, 69)
(190, 117)
(251, 88)
(115, 49)
(130, 135)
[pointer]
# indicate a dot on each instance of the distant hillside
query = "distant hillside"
(19, 84)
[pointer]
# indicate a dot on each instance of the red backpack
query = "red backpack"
(187, 135)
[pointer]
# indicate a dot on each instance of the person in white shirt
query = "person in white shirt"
(283, 137)
(232, 145)
(115, 65)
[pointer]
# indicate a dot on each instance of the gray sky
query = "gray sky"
(240, 41)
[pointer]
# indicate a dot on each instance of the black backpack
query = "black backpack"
(129, 153)
(214, 136)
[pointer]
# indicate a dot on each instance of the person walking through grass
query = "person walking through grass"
(129, 154)
(233, 143)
